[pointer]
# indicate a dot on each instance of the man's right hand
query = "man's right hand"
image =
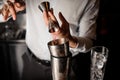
(11, 7)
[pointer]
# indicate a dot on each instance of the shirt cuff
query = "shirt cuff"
(75, 50)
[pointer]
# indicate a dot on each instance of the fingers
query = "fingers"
(45, 16)
(5, 12)
(49, 15)
(51, 10)
(61, 17)
(8, 10)
(12, 10)
(52, 16)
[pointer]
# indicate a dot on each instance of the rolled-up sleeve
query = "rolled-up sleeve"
(87, 28)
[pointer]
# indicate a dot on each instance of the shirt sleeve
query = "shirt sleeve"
(87, 28)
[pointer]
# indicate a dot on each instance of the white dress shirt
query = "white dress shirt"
(81, 15)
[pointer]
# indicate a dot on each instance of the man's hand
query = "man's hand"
(63, 28)
(11, 7)
(64, 31)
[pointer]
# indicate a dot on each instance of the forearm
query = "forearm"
(82, 37)
(79, 44)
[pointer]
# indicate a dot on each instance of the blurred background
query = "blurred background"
(12, 35)
(12, 47)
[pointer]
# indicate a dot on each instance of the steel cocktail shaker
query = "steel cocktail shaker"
(60, 58)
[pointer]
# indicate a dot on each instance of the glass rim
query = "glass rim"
(100, 47)
(97, 48)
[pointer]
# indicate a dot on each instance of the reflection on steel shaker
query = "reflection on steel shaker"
(60, 58)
